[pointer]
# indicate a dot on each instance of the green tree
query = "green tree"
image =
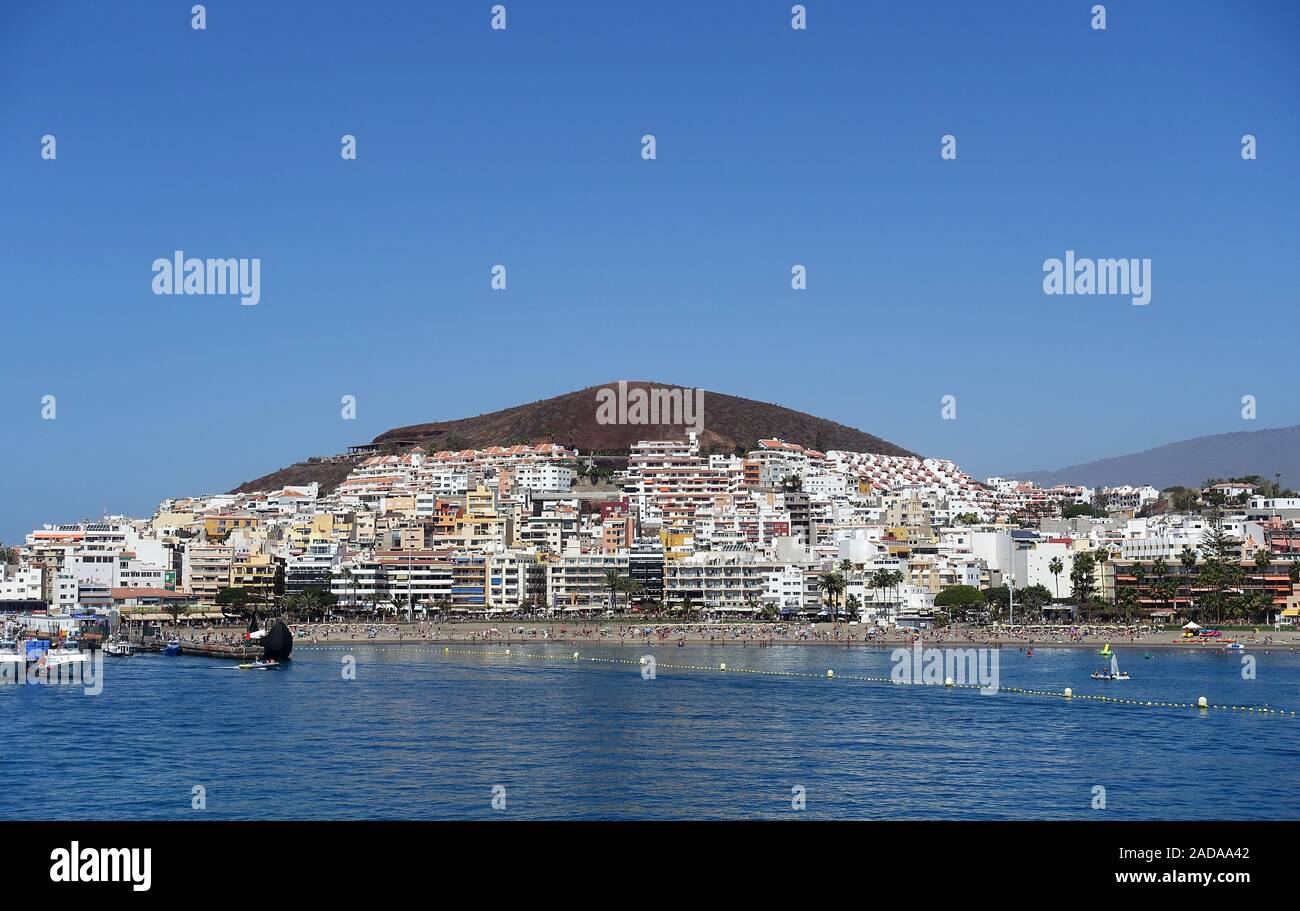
(831, 584)
(1081, 577)
(1100, 556)
(1056, 566)
(1126, 603)
(614, 582)
(1033, 598)
(1221, 572)
(959, 600)
(237, 598)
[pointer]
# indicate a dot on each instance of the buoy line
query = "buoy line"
(1201, 704)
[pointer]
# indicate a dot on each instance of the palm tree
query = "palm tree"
(831, 584)
(1056, 566)
(613, 581)
(882, 579)
(629, 587)
(1099, 560)
(846, 570)
(1263, 559)
(896, 579)
(1159, 568)
(349, 581)
(852, 605)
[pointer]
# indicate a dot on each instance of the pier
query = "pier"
(221, 650)
(205, 649)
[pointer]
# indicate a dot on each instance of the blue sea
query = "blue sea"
(417, 733)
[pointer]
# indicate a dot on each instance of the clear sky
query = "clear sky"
(522, 147)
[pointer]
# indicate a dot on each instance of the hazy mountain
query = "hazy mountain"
(1189, 462)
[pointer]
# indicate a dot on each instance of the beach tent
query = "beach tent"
(1191, 624)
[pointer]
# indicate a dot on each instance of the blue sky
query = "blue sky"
(522, 147)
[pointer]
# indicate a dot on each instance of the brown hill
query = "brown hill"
(729, 422)
(328, 474)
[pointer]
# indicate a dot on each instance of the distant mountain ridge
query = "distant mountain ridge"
(1189, 462)
(571, 420)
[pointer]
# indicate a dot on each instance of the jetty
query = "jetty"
(239, 650)
(220, 650)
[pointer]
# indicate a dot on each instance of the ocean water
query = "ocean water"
(420, 734)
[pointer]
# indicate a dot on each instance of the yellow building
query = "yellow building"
(219, 527)
(318, 528)
(677, 544)
(258, 573)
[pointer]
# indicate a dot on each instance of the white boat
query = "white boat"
(10, 653)
(70, 653)
(1113, 674)
(119, 648)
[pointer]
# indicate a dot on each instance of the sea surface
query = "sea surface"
(419, 733)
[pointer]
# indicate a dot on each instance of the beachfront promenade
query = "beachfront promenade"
(750, 634)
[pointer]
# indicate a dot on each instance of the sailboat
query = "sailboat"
(1113, 674)
(1105, 650)
(277, 643)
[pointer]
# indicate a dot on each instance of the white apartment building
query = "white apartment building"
(1038, 563)
(577, 581)
(544, 477)
(1130, 498)
(1162, 536)
(21, 584)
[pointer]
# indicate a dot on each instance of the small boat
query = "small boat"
(69, 653)
(172, 648)
(1105, 650)
(1113, 674)
(9, 653)
(259, 665)
(1107, 675)
(119, 648)
(1233, 646)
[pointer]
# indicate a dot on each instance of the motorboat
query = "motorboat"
(10, 652)
(172, 648)
(119, 648)
(259, 665)
(66, 654)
